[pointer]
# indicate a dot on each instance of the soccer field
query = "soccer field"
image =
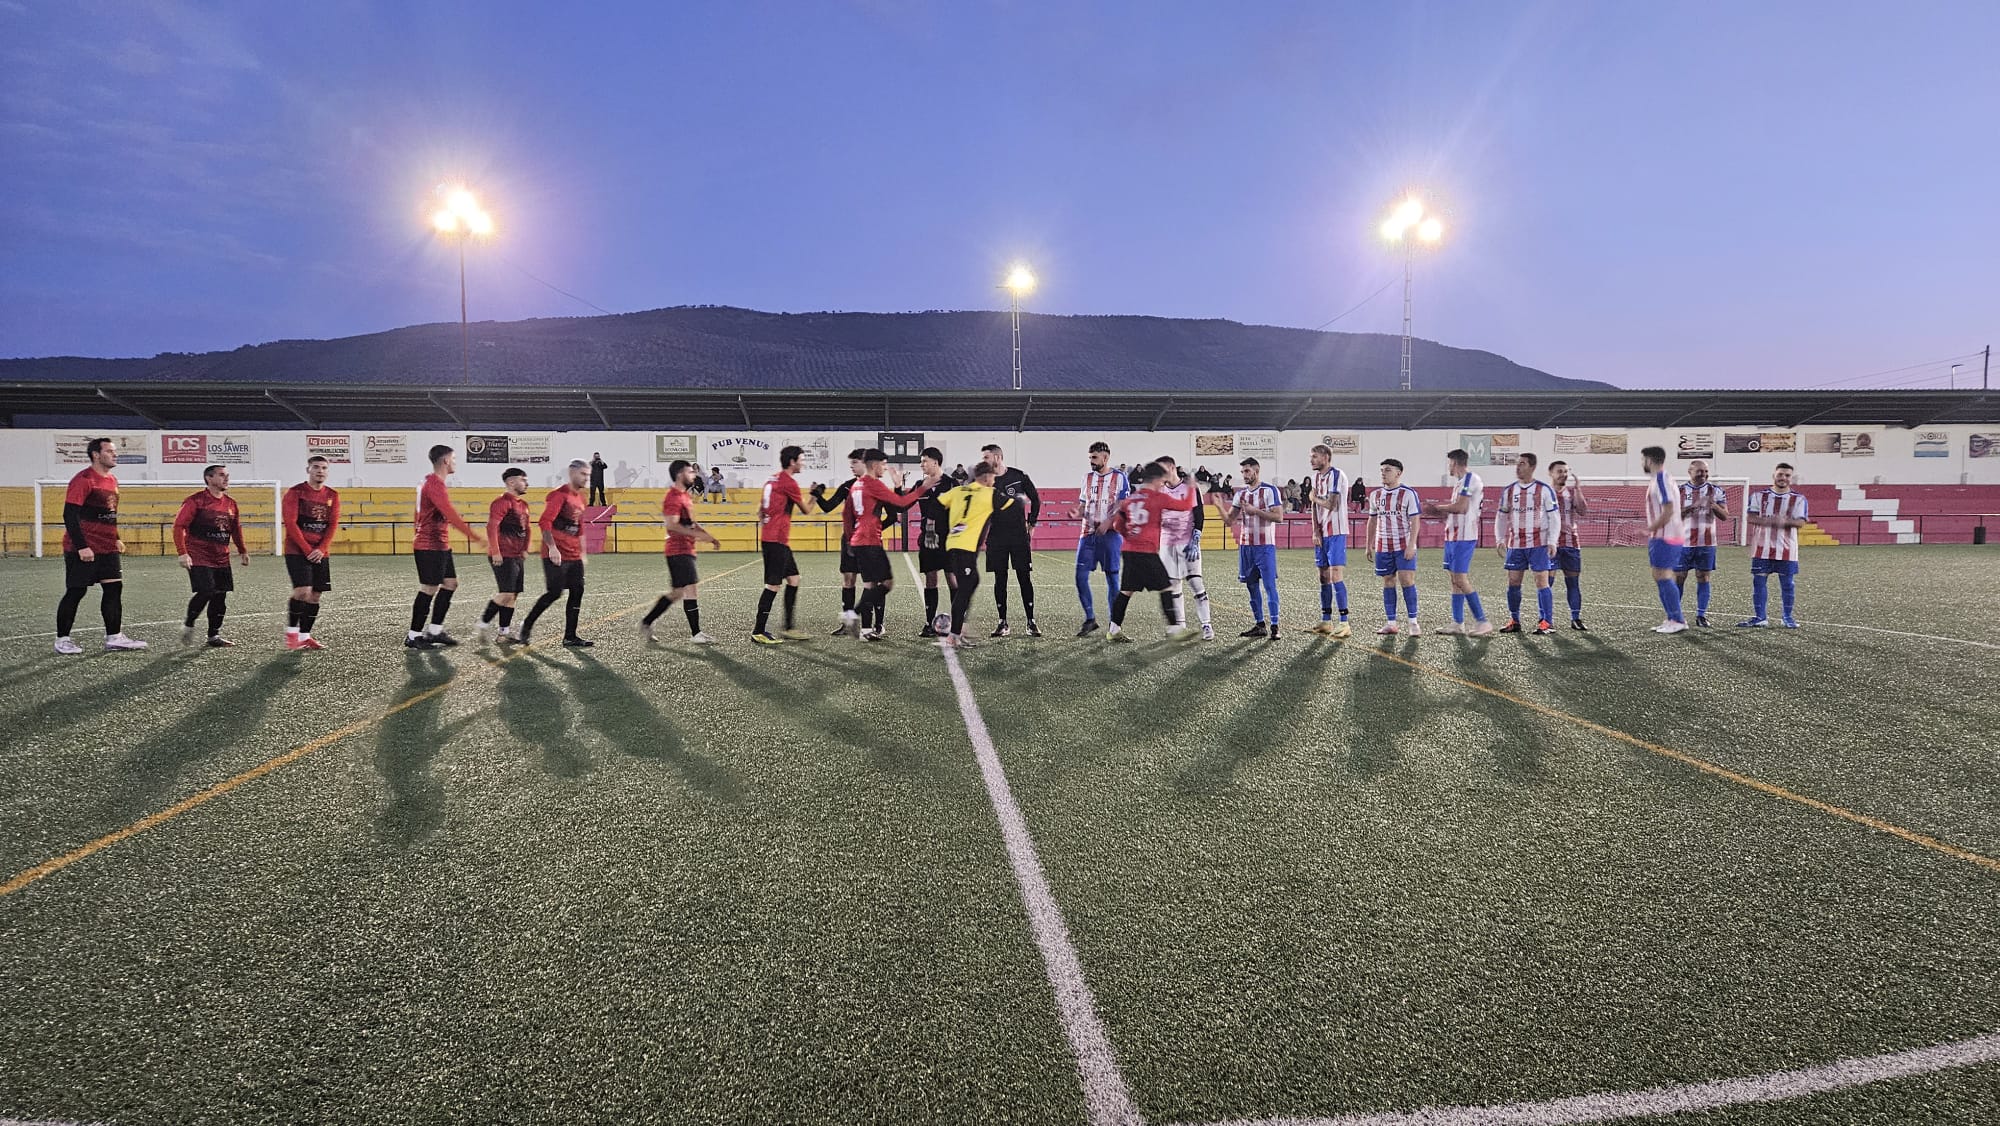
(1236, 880)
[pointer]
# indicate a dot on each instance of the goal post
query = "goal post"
(146, 511)
(1618, 509)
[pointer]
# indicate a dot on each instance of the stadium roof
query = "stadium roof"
(270, 405)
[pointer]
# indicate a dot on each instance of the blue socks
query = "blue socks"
(1340, 597)
(1326, 602)
(1514, 602)
(1458, 607)
(1410, 601)
(1478, 611)
(1787, 588)
(1701, 598)
(1083, 592)
(1670, 598)
(1545, 598)
(1573, 585)
(1389, 602)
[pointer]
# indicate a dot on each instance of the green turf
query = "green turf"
(765, 884)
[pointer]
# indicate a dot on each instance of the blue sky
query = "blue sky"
(1765, 194)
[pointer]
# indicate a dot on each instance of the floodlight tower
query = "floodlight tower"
(1409, 226)
(461, 217)
(1019, 284)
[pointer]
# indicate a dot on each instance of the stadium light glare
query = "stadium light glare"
(446, 222)
(1406, 220)
(1020, 281)
(1392, 230)
(462, 218)
(1430, 230)
(1411, 212)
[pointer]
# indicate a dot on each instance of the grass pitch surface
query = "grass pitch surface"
(1302, 878)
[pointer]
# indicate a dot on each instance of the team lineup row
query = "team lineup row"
(1142, 528)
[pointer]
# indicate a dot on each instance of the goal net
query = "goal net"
(146, 511)
(1617, 514)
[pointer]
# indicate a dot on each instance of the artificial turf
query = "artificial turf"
(746, 883)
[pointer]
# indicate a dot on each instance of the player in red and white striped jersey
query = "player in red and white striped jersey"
(1703, 503)
(1665, 535)
(1526, 524)
(1096, 502)
(1393, 510)
(1328, 489)
(1461, 540)
(1570, 504)
(1775, 515)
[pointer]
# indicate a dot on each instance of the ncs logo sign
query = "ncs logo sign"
(184, 449)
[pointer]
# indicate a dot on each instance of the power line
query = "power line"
(1945, 363)
(1364, 301)
(557, 288)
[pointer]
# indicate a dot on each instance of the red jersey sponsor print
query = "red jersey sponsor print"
(436, 516)
(205, 528)
(1395, 512)
(311, 517)
(1695, 500)
(1253, 530)
(507, 526)
(1330, 485)
(1767, 542)
(1528, 516)
(862, 500)
(1566, 511)
(562, 523)
(781, 493)
(1141, 516)
(1662, 496)
(678, 509)
(97, 494)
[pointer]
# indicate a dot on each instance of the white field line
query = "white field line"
(1680, 1099)
(333, 613)
(1106, 1098)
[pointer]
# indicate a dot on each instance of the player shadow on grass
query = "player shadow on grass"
(226, 720)
(1298, 682)
(842, 725)
(1383, 700)
(535, 712)
(631, 723)
(407, 743)
(89, 702)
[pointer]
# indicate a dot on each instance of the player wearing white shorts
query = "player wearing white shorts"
(1180, 547)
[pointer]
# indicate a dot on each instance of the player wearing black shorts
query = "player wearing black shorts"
(311, 513)
(828, 500)
(507, 521)
(774, 536)
(562, 556)
(677, 509)
(933, 527)
(1010, 536)
(91, 550)
(437, 573)
(208, 522)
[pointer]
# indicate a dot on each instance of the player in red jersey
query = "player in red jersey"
(827, 502)
(866, 496)
(682, 532)
(1137, 519)
(437, 575)
(91, 550)
(507, 523)
(774, 536)
(312, 515)
(562, 556)
(207, 524)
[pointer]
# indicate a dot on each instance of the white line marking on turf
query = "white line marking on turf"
(1106, 1098)
(1779, 1085)
(1842, 625)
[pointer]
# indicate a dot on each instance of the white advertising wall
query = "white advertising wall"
(1941, 455)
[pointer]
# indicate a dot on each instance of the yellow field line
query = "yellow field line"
(57, 864)
(1701, 764)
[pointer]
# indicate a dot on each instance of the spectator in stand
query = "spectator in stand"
(699, 486)
(1201, 474)
(1292, 495)
(718, 489)
(1358, 495)
(1229, 482)
(960, 475)
(597, 468)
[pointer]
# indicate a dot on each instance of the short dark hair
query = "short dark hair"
(1553, 464)
(1167, 459)
(512, 472)
(1458, 457)
(1784, 465)
(789, 455)
(1323, 448)
(1531, 459)
(1654, 453)
(982, 469)
(439, 453)
(674, 469)
(857, 455)
(317, 457)
(1100, 447)
(1392, 463)
(990, 448)
(1249, 461)
(209, 471)
(934, 454)
(1151, 471)
(873, 455)
(97, 444)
